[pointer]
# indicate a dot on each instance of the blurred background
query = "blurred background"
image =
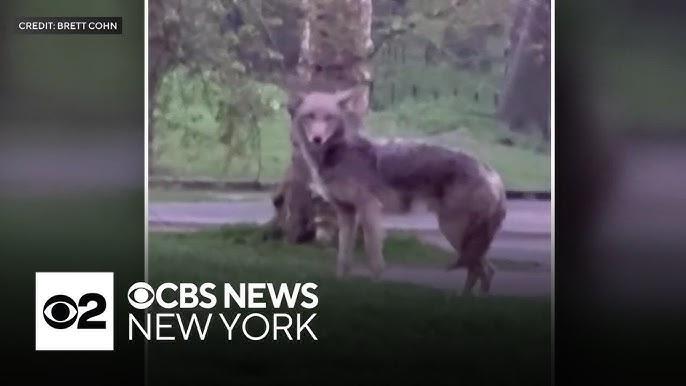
(72, 161)
(620, 130)
(620, 189)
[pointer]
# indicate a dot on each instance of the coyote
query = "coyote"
(352, 172)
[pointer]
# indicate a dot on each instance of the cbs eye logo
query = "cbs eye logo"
(74, 311)
(61, 311)
(141, 295)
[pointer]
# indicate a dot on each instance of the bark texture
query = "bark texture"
(525, 96)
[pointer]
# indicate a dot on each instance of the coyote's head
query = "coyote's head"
(324, 117)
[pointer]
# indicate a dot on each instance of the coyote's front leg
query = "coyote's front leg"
(346, 239)
(370, 215)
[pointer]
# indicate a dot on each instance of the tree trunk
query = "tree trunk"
(525, 94)
(337, 42)
(156, 13)
(336, 46)
(162, 40)
(152, 93)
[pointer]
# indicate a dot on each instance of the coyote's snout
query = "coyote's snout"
(352, 172)
(325, 117)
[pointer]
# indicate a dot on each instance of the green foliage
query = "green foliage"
(208, 86)
(429, 20)
(197, 113)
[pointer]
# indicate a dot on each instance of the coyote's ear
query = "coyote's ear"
(295, 99)
(353, 99)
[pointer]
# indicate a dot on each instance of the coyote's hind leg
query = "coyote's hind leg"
(453, 227)
(470, 241)
(473, 253)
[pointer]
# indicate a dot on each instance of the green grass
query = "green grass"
(371, 333)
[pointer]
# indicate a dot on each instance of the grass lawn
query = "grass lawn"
(375, 333)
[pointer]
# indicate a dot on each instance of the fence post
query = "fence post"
(393, 93)
(426, 55)
(371, 90)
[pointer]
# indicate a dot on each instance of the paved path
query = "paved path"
(524, 217)
(524, 238)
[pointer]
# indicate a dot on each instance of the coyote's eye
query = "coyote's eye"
(309, 116)
(329, 117)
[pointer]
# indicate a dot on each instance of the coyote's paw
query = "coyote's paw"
(486, 280)
(377, 268)
(342, 271)
(467, 293)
